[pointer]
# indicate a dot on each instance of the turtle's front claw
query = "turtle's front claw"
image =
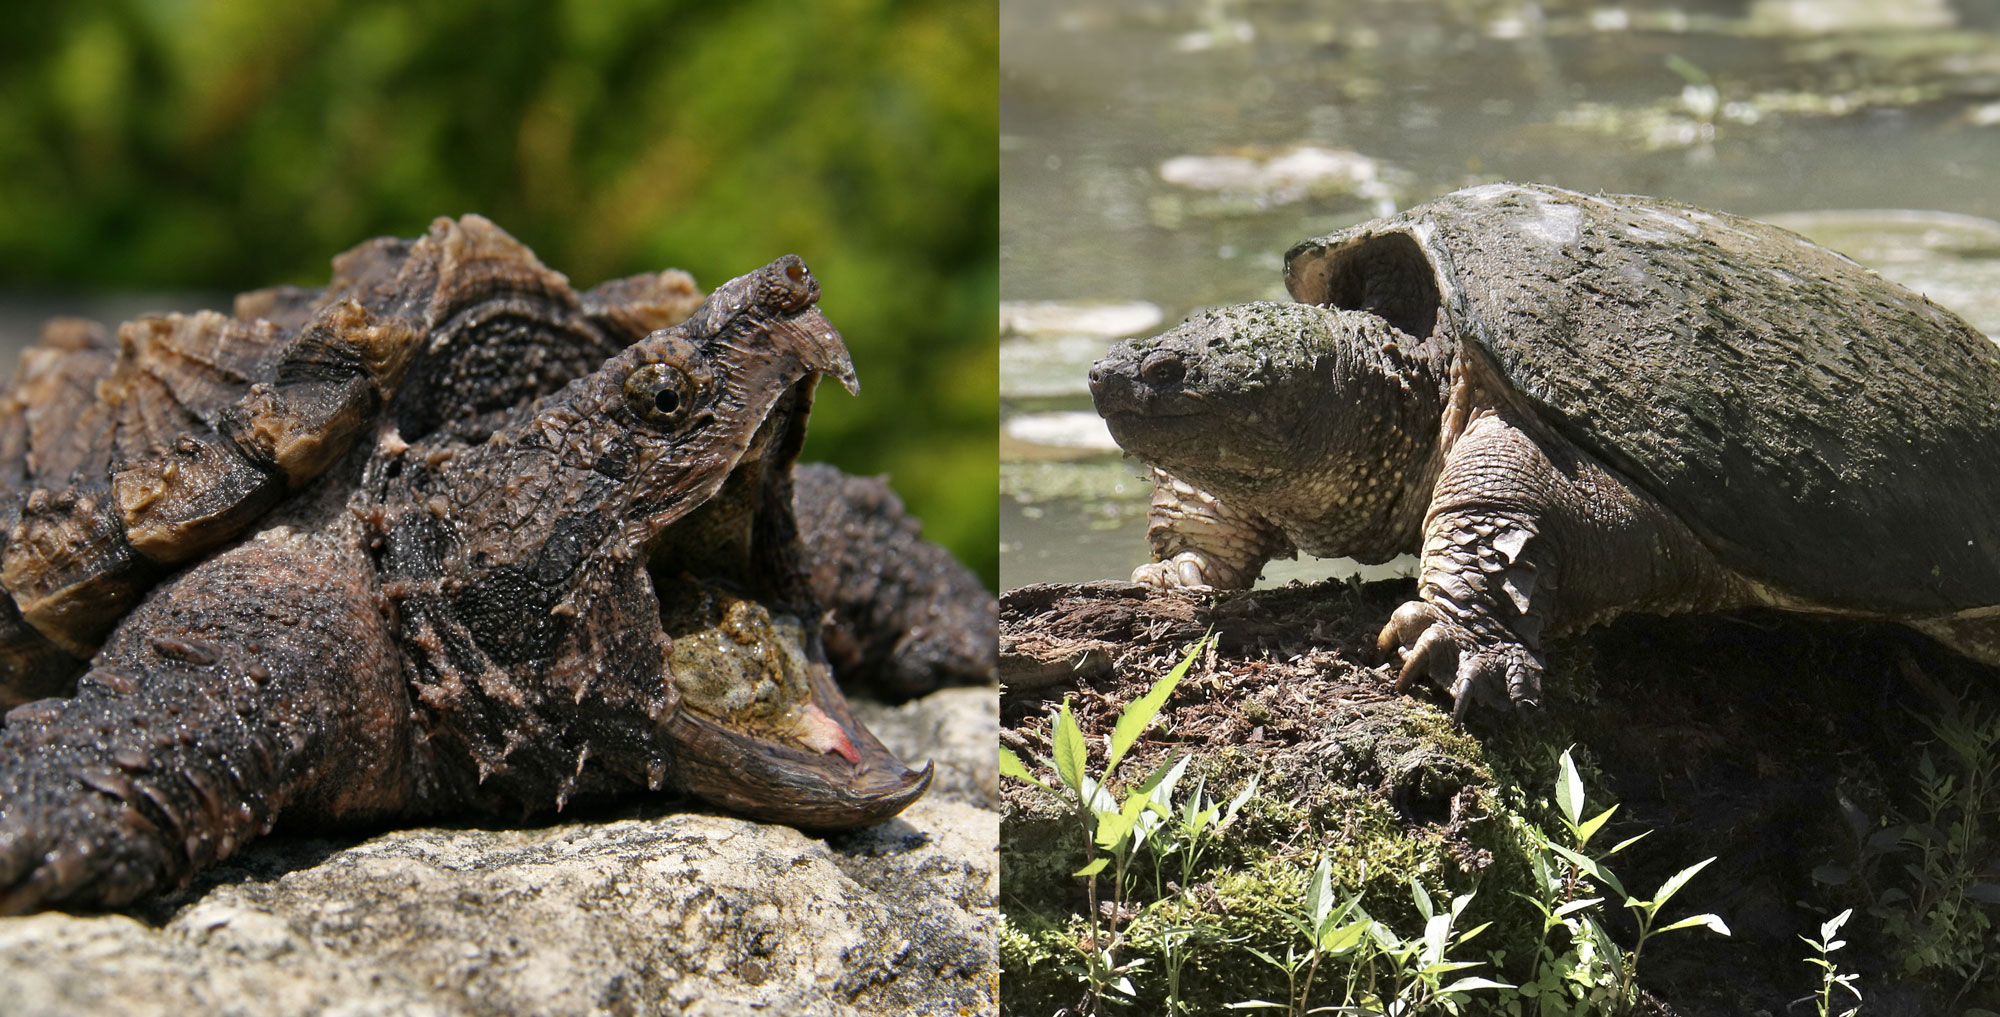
(1188, 570)
(1501, 675)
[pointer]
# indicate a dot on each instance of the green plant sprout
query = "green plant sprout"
(1830, 975)
(1925, 876)
(1115, 829)
(1594, 974)
(1384, 973)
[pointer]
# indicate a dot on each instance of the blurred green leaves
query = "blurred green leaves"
(229, 144)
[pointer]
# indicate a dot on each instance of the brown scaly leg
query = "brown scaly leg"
(207, 716)
(1200, 542)
(1526, 535)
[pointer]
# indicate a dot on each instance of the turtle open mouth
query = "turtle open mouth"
(760, 727)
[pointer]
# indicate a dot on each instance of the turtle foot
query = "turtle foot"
(1500, 673)
(1188, 570)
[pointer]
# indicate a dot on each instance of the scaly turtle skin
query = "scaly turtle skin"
(524, 547)
(1571, 407)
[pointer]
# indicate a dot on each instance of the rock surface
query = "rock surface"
(643, 911)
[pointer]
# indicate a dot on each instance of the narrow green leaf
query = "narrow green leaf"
(1594, 869)
(1159, 785)
(1096, 866)
(1071, 754)
(1590, 826)
(1627, 842)
(1458, 905)
(1011, 766)
(1436, 932)
(1236, 803)
(1114, 827)
(1192, 816)
(1577, 905)
(1713, 923)
(1607, 947)
(1475, 982)
(1319, 893)
(1339, 940)
(1136, 717)
(1422, 897)
(1569, 790)
(1155, 796)
(1447, 967)
(1676, 881)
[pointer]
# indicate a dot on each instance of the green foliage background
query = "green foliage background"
(230, 144)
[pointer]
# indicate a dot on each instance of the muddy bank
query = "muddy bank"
(1776, 744)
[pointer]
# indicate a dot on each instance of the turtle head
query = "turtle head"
(636, 574)
(760, 726)
(1303, 413)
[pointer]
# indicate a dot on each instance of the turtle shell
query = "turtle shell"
(1826, 432)
(123, 458)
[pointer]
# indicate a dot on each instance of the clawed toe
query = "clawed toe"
(1501, 675)
(1405, 627)
(1181, 572)
(1434, 654)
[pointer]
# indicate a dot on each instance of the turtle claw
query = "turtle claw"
(1434, 654)
(1403, 629)
(1500, 675)
(1187, 570)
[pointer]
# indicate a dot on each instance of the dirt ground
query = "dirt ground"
(1772, 742)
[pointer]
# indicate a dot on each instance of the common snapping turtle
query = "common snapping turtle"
(1574, 406)
(443, 537)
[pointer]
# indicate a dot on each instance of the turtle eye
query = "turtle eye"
(659, 394)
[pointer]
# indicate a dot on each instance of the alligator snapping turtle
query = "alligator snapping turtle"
(1575, 406)
(442, 537)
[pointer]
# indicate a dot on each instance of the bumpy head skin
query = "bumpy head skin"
(607, 591)
(1324, 422)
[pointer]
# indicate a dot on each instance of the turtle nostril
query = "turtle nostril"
(1163, 369)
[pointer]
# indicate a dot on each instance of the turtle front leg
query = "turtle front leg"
(1199, 542)
(1525, 536)
(262, 683)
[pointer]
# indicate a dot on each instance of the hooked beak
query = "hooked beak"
(820, 348)
(836, 776)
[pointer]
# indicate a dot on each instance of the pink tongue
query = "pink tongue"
(822, 733)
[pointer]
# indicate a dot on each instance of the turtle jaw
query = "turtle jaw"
(759, 727)
(849, 780)
(1175, 423)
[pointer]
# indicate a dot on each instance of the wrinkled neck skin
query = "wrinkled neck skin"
(1324, 422)
(1379, 449)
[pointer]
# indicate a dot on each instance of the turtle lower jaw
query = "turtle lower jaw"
(1151, 434)
(834, 774)
(1199, 442)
